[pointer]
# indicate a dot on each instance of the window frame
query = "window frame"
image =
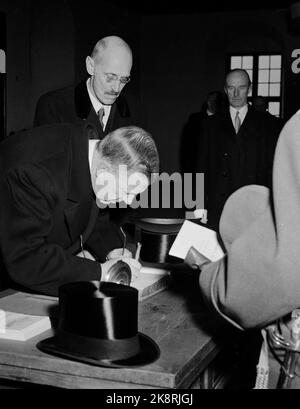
(255, 71)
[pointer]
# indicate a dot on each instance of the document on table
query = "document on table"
(201, 238)
(21, 327)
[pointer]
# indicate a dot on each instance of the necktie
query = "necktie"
(101, 114)
(237, 122)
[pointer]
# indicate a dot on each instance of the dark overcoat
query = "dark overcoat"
(73, 104)
(230, 161)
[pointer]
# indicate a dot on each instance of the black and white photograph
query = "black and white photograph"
(149, 198)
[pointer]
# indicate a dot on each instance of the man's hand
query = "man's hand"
(135, 267)
(133, 264)
(105, 267)
(118, 254)
(195, 260)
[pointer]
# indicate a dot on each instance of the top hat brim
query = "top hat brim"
(160, 225)
(149, 352)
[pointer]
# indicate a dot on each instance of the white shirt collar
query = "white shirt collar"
(97, 104)
(242, 112)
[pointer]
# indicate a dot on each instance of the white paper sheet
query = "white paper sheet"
(201, 238)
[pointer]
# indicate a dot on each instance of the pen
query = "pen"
(124, 242)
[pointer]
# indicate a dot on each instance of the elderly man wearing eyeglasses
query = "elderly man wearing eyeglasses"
(99, 99)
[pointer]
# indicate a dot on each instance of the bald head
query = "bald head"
(238, 73)
(237, 87)
(109, 67)
(110, 43)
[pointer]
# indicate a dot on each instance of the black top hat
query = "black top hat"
(160, 225)
(98, 325)
(157, 236)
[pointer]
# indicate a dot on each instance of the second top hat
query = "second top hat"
(157, 236)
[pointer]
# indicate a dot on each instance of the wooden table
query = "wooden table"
(175, 318)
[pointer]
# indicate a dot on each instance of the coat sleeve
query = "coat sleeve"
(29, 199)
(258, 280)
(248, 297)
(213, 280)
(106, 236)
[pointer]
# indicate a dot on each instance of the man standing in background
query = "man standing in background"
(237, 147)
(97, 99)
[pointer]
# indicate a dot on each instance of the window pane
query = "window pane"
(263, 89)
(263, 76)
(263, 61)
(275, 76)
(236, 62)
(275, 61)
(250, 72)
(275, 90)
(2, 61)
(274, 108)
(247, 62)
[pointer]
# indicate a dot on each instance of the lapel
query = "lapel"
(119, 110)
(94, 119)
(247, 129)
(248, 119)
(82, 100)
(84, 110)
(81, 209)
(227, 125)
(112, 122)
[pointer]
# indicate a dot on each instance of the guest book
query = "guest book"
(24, 315)
(21, 327)
(150, 281)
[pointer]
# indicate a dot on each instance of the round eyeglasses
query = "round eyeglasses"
(114, 77)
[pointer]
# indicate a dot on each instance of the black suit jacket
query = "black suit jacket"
(230, 161)
(73, 104)
(47, 203)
